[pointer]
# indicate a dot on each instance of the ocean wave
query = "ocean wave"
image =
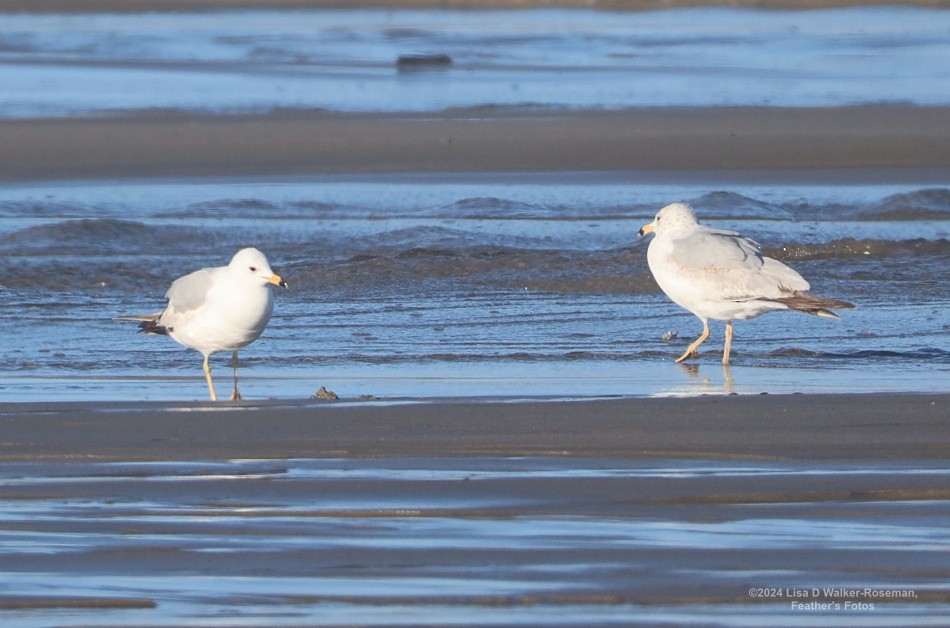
(922, 204)
(478, 355)
(618, 271)
(97, 237)
(492, 207)
(17, 43)
(723, 204)
(43, 209)
(846, 248)
(417, 240)
(148, 276)
(924, 354)
(251, 208)
(925, 204)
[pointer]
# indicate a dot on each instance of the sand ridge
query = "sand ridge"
(649, 139)
(844, 427)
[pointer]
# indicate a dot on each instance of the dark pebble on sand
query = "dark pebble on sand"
(423, 62)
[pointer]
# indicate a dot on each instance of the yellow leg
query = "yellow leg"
(208, 377)
(728, 346)
(236, 395)
(691, 350)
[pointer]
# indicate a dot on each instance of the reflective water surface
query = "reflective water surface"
(442, 541)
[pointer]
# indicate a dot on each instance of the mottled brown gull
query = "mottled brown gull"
(722, 275)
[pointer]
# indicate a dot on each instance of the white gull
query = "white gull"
(225, 308)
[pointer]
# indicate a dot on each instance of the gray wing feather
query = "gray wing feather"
(735, 264)
(188, 293)
(185, 295)
(714, 249)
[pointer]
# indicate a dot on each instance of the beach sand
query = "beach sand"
(766, 427)
(570, 510)
(834, 140)
(593, 511)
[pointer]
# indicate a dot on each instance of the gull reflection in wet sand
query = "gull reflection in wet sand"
(705, 383)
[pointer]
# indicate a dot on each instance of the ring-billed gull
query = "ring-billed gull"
(218, 309)
(722, 275)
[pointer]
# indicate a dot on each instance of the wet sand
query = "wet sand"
(428, 511)
(767, 427)
(894, 137)
(539, 511)
(554, 512)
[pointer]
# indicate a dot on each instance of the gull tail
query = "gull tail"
(809, 303)
(148, 323)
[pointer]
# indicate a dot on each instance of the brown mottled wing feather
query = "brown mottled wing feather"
(812, 304)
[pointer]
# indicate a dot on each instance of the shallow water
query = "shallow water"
(469, 284)
(56, 65)
(483, 284)
(547, 541)
(517, 285)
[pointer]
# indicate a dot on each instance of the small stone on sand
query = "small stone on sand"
(325, 395)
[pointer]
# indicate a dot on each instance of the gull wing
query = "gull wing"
(187, 294)
(717, 249)
(732, 267)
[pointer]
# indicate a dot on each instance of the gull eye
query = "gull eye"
(253, 270)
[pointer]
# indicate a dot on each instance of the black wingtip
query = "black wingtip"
(152, 327)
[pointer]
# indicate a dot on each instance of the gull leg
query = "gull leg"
(208, 377)
(728, 346)
(236, 395)
(691, 350)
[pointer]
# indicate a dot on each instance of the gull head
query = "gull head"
(673, 220)
(250, 264)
